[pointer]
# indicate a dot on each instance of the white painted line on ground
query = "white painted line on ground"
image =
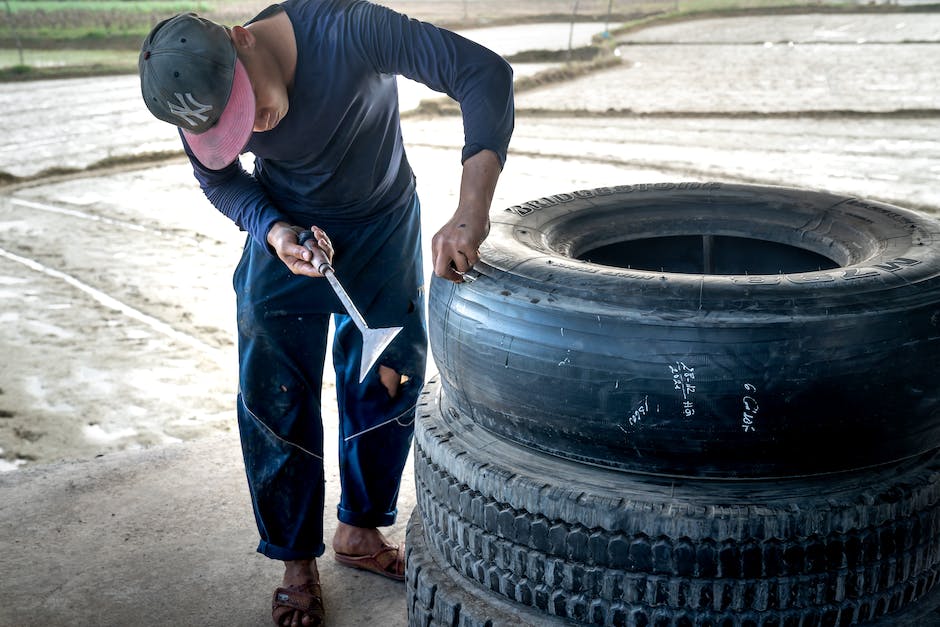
(84, 215)
(112, 303)
(76, 214)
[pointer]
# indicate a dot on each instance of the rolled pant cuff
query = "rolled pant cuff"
(367, 520)
(288, 555)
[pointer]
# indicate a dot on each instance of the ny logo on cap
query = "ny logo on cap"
(189, 110)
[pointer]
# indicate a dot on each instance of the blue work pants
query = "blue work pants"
(283, 322)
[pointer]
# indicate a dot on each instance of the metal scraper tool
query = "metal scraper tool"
(374, 341)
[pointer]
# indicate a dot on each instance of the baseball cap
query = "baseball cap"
(190, 76)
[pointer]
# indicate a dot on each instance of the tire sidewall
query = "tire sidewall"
(700, 375)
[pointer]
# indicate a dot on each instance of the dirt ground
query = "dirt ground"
(115, 300)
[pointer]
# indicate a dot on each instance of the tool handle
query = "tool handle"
(309, 240)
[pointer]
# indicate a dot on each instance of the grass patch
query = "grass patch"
(585, 53)
(41, 59)
(47, 23)
(67, 63)
(148, 6)
(28, 73)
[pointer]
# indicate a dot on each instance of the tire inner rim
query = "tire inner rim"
(708, 254)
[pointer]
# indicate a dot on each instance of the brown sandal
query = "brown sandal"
(389, 561)
(306, 598)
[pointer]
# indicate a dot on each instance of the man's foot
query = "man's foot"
(299, 601)
(367, 549)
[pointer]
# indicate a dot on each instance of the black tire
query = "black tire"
(605, 547)
(439, 597)
(734, 370)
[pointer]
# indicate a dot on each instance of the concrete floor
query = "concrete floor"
(161, 537)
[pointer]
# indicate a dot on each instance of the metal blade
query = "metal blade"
(374, 343)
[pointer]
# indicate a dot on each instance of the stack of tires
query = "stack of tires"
(684, 405)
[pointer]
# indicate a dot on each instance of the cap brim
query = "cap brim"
(221, 144)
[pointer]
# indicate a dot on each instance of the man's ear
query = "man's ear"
(242, 37)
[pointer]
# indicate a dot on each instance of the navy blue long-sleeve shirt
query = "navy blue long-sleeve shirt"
(338, 154)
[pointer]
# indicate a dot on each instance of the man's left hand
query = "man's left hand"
(456, 247)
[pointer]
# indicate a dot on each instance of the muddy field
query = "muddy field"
(75, 123)
(793, 64)
(117, 308)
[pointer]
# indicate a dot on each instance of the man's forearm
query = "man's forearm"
(455, 248)
(478, 185)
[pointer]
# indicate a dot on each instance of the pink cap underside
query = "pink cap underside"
(221, 144)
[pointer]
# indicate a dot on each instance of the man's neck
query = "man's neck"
(276, 35)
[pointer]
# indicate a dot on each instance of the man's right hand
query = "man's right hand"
(282, 238)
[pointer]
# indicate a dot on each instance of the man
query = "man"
(308, 87)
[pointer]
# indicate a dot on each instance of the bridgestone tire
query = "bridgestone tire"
(605, 547)
(791, 333)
